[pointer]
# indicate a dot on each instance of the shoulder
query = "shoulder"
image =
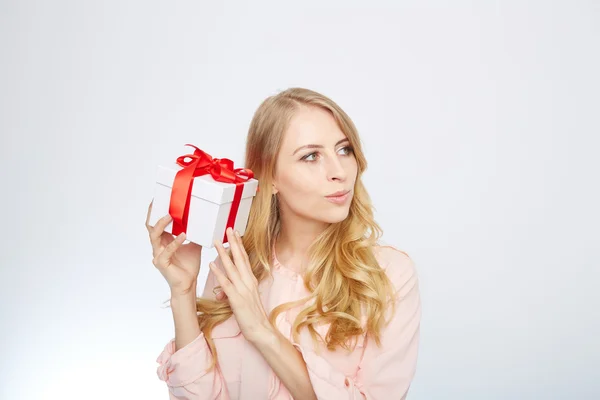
(398, 265)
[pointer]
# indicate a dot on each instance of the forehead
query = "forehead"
(311, 125)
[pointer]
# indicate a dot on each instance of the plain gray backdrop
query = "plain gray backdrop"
(479, 121)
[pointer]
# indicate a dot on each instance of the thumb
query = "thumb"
(221, 295)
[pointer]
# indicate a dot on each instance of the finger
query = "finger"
(164, 258)
(245, 255)
(148, 216)
(227, 286)
(159, 229)
(231, 270)
(221, 296)
(159, 246)
(238, 257)
(242, 248)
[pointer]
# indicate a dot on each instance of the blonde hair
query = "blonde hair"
(344, 278)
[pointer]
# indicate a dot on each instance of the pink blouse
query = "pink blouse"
(369, 372)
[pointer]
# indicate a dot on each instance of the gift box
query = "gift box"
(204, 196)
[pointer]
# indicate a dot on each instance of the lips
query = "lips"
(338, 194)
(341, 199)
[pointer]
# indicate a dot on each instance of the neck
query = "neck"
(295, 236)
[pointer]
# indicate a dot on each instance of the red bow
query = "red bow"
(201, 163)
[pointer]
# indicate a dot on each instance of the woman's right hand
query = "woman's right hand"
(178, 263)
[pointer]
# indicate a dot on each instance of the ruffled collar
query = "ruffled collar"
(277, 266)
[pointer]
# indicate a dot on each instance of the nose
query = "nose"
(336, 170)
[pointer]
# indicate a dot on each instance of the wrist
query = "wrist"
(267, 338)
(184, 297)
(186, 293)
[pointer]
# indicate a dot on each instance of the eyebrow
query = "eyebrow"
(318, 146)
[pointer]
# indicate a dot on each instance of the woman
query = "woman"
(307, 305)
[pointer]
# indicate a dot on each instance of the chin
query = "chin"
(336, 216)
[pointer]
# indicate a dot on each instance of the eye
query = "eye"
(305, 158)
(349, 150)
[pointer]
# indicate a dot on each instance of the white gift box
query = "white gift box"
(210, 204)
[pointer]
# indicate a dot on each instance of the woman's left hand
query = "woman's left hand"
(241, 287)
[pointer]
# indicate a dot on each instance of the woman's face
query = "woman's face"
(315, 161)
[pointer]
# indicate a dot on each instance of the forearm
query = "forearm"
(287, 363)
(185, 319)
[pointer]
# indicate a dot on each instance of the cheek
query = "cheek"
(353, 168)
(301, 191)
(300, 186)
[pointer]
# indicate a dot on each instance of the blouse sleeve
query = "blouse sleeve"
(185, 370)
(384, 372)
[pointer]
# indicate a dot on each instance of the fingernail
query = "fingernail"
(237, 234)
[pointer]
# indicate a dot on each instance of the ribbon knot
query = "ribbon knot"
(197, 164)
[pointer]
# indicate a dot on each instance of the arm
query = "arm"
(241, 287)
(287, 363)
(185, 316)
(389, 369)
(184, 360)
(185, 319)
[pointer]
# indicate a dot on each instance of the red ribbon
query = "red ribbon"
(198, 164)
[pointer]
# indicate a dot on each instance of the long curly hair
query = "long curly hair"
(343, 276)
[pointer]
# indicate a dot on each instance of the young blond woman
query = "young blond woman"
(308, 304)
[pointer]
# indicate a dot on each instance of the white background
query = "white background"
(479, 120)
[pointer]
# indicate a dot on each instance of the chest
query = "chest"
(235, 356)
